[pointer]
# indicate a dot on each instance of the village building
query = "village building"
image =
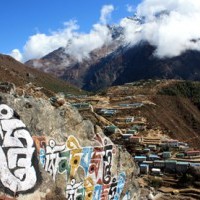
(152, 147)
(173, 143)
(194, 164)
(130, 131)
(159, 163)
(140, 158)
(166, 155)
(170, 165)
(81, 105)
(180, 155)
(192, 153)
(144, 169)
(183, 144)
(138, 150)
(126, 120)
(108, 112)
(148, 162)
(184, 148)
(127, 136)
(153, 157)
(182, 167)
(129, 119)
(136, 139)
(146, 150)
(156, 171)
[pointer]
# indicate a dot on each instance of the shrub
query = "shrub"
(156, 182)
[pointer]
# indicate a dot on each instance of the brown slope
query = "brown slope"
(177, 116)
(19, 74)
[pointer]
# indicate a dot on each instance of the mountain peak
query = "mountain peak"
(119, 62)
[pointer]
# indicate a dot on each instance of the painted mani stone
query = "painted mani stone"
(17, 172)
(96, 163)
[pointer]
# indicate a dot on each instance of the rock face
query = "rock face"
(59, 155)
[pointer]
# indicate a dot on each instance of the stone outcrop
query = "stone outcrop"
(52, 153)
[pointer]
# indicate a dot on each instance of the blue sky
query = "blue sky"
(21, 19)
(31, 29)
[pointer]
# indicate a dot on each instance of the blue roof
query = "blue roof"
(140, 157)
(144, 165)
(153, 156)
(170, 161)
(195, 164)
(183, 163)
(159, 161)
(147, 162)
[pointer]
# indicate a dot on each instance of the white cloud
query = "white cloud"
(169, 25)
(106, 12)
(16, 54)
(78, 44)
(130, 8)
(83, 44)
(149, 8)
(131, 31)
(41, 44)
(172, 26)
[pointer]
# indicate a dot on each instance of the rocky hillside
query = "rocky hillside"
(19, 74)
(51, 152)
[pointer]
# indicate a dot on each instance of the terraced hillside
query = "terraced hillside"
(174, 107)
(169, 107)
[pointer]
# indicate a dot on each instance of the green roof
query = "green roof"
(182, 163)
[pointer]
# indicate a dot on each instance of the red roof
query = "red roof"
(193, 152)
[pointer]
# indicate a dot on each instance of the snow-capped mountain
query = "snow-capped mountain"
(119, 61)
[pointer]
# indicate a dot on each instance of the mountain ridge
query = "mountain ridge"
(118, 62)
(127, 64)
